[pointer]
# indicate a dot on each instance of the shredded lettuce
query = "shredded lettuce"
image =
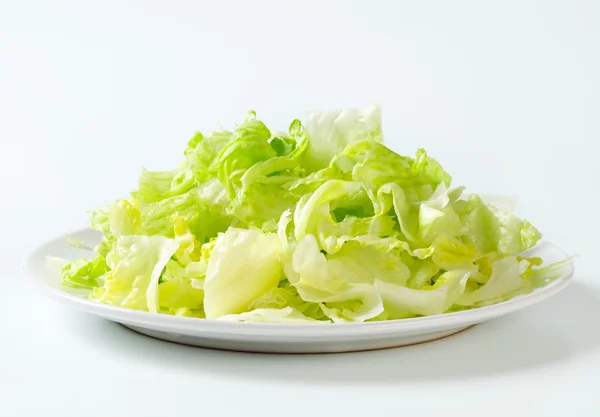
(322, 223)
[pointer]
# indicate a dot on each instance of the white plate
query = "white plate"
(282, 338)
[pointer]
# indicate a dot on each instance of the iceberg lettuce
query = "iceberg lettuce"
(322, 223)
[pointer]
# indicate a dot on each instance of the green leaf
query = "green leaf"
(200, 155)
(346, 293)
(249, 146)
(243, 265)
(505, 278)
(82, 273)
(270, 315)
(264, 194)
(330, 131)
(490, 229)
(176, 293)
(286, 295)
(203, 219)
(136, 263)
(401, 302)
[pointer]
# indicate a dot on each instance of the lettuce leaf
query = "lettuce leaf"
(330, 131)
(82, 273)
(345, 295)
(263, 195)
(136, 263)
(270, 315)
(401, 302)
(243, 265)
(490, 229)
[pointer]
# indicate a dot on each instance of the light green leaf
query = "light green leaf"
(504, 279)
(249, 146)
(286, 295)
(100, 219)
(82, 273)
(264, 194)
(490, 229)
(403, 302)
(313, 212)
(204, 220)
(330, 131)
(176, 293)
(270, 315)
(136, 263)
(346, 294)
(243, 265)
(200, 155)
(124, 219)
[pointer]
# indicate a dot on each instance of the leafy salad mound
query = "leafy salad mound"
(322, 223)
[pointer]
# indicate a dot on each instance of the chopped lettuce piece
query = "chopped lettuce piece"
(270, 315)
(82, 273)
(490, 229)
(136, 263)
(330, 131)
(505, 278)
(243, 265)
(401, 302)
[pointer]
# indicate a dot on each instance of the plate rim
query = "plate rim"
(222, 327)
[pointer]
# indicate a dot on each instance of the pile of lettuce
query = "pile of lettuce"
(322, 223)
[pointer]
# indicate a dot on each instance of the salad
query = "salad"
(322, 223)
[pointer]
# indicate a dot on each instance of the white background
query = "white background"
(506, 94)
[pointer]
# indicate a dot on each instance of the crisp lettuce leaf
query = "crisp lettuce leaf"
(286, 295)
(490, 229)
(373, 165)
(358, 263)
(344, 296)
(100, 219)
(249, 145)
(82, 273)
(136, 263)
(450, 253)
(270, 315)
(124, 219)
(243, 265)
(203, 151)
(158, 185)
(190, 248)
(204, 220)
(401, 302)
(176, 292)
(505, 278)
(200, 154)
(330, 131)
(264, 194)
(105, 245)
(544, 275)
(313, 212)
(422, 271)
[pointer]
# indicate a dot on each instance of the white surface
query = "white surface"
(272, 337)
(505, 94)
